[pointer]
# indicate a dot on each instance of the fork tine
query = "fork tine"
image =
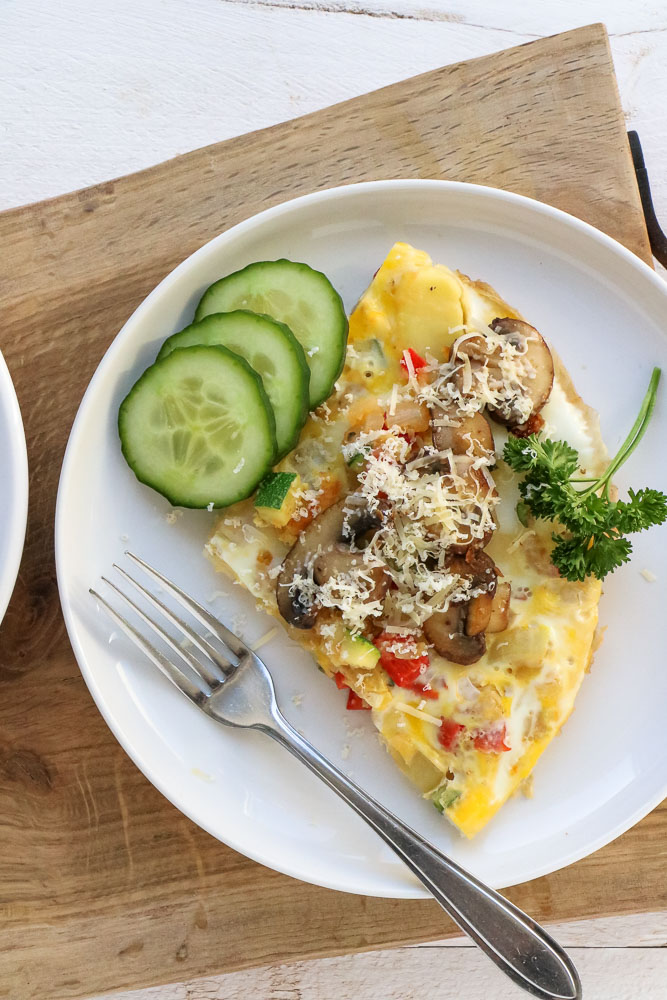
(174, 673)
(224, 666)
(203, 616)
(202, 673)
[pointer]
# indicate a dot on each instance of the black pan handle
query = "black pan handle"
(657, 238)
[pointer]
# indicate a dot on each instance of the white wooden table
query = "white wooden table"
(90, 91)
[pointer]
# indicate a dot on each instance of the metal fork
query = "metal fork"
(236, 689)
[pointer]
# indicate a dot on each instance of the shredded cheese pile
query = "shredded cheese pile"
(428, 503)
(483, 370)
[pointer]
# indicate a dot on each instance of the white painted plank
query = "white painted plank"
(409, 974)
(640, 930)
(620, 16)
(91, 91)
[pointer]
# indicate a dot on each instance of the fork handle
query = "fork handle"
(515, 942)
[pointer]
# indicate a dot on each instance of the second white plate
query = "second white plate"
(13, 486)
(604, 312)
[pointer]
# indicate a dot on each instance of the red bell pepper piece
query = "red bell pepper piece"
(355, 703)
(491, 740)
(448, 734)
(423, 692)
(404, 671)
(417, 361)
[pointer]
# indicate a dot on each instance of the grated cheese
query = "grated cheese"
(649, 576)
(393, 400)
(216, 595)
(262, 641)
(402, 706)
(491, 373)
(520, 539)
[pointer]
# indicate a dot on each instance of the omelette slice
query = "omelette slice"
(392, 544)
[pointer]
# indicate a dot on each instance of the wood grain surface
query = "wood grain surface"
(607, 972)
(103, 884)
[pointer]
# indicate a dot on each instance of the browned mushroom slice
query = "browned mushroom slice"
(446, 631)
(537, 354)
(332, 530)
(479, 487)
(479, 613)
(459, 631)
(500, 609)
(339, 560)
(471, 435)
(484, 574)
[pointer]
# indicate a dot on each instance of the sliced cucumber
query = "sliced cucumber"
(297, 295)
(272, 350)
(198, 427)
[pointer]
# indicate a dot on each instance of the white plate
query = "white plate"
(605, 311)
(13, 487)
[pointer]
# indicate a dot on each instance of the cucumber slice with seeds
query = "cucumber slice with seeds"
(297, 295)
(272, 350)
(198, 428)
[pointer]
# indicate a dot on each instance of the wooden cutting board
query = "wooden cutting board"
(103, 884)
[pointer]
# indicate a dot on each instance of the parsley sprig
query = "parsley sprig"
(592, 541)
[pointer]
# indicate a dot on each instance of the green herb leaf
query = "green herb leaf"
(593, 542)
(523, 512)
(643, 510)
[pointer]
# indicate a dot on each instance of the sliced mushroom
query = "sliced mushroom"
(479, 614)
(468, 431)
(474, 430)
(340, 559)
(446, 631)
(538, 355)
(319, 548)
(484, 574)
(500, 608)
(458, 632)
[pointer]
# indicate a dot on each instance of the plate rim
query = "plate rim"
(541, 208)
(19, 487)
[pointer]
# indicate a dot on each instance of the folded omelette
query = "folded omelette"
(392, 542)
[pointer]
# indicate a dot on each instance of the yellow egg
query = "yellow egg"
(411, 302)
(504, 709)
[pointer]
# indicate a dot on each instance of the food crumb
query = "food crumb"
(527, 787)
(216, 595)
(239, 622)
(172, 516)
(345, 752)
(297, 699)
(210, 506)
(354, 730)
(649, 576)
(208, 778)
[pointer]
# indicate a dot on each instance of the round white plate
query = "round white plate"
(605, 312)
(13, 487)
